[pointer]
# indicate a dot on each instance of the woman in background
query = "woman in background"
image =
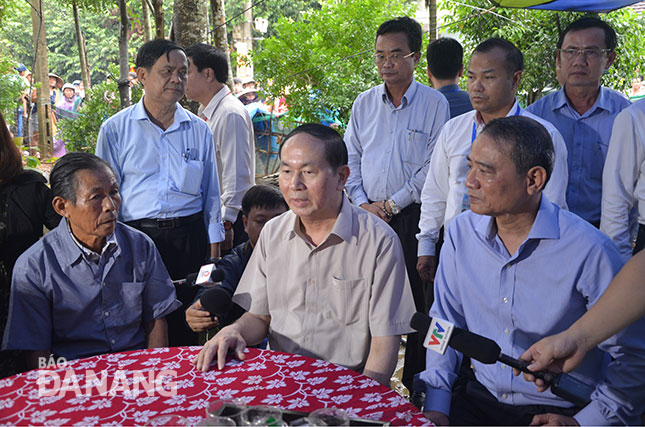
(25, 207)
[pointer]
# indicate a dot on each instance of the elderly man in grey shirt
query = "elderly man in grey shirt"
(327, 279)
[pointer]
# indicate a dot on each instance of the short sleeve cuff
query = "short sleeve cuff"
(165, 309)
(427, 247)
(592, 415)
(437, 400)
(215, 232)
(391, 329)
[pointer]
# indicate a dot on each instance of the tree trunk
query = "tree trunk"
(41, 72)
(220, 36)
(190, 23)
(157, 10)
(147, 26)
(124, 66)
(247, 33)
(432, 14)
(82, 51)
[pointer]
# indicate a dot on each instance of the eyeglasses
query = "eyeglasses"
(592, 53)
(395, 58)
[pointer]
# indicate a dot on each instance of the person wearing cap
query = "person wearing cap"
(21, 111)
(55, 85)
(68, 99)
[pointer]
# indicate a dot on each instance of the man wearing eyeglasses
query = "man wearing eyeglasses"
(584, 111)
(390, 138)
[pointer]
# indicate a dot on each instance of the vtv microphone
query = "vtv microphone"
(207, 274)
(440, 333)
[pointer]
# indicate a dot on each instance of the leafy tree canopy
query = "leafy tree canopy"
(321, 62)
(536, 33)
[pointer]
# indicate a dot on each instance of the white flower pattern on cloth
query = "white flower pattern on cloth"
(265, 378)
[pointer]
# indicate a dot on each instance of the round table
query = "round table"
(130, 388)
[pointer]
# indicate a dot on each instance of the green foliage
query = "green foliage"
(81, 134)
(536, 33)
(11, 87)
(323, 61)
(99, 22)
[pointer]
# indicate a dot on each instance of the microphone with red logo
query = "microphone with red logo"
(440, 333)
(206, 276)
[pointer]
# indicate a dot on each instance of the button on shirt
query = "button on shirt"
(234, 149)
(623, 180)
(558, 272)
(328, 301)
(390, 147)
(444, 189)
(587, 139)
(163, 174)
(63, 301)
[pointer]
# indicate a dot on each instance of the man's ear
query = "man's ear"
(60, 206)
(536, 180)
(611, 57)
(141, 74)
(343, 174)
(245, 222)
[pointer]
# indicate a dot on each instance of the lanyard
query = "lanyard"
(474, 135)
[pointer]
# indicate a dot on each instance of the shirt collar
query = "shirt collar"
(603, 101)
(545, 226)
(515, 109)
(343, 226)
(209, 110)
(407, 98)
(139, 113)
(449, 88)
(88, 254)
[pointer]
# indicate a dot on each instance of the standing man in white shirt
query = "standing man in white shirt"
(494, 73)
(390, 137)
(232, 134)
(623, 180)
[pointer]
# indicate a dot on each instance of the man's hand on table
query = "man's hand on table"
(199, 320)
(229, 338)
(437, 418)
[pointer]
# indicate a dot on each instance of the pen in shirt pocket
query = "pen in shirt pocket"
(187, 154)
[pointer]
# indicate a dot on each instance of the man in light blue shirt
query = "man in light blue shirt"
(517, 268)
(165, 164)
(92, 285)
(390, 138)
(584, 111)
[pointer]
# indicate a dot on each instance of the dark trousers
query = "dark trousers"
(640, 239)
(473, 405)
(406, 226)
(184, 249)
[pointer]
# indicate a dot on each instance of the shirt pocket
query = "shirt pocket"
(125, 302)
(191, 176)
(348, 300)
(416, 144)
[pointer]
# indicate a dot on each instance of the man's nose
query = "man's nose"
(296, 182)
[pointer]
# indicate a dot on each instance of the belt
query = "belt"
(167, 223)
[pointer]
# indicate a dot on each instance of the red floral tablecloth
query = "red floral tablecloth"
(132, 387)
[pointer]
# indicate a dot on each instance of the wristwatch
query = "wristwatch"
(228, 225)
(394, 207)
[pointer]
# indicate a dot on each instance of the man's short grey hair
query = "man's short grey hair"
(63, 180)
(526, 141)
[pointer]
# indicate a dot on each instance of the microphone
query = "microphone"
(488, 352)
(207, 274)
(217, 301)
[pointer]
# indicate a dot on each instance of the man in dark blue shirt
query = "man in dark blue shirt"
(445, 68)
(260, 204)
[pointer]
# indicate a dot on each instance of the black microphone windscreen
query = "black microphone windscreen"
(420, 322)
(472, 345)
(217, 276)
(217, 301)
